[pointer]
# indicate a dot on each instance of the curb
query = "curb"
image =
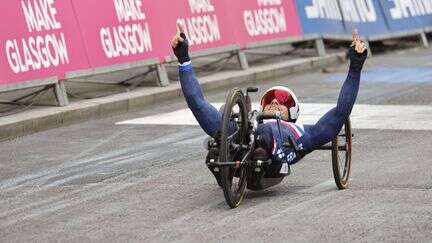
(37, 120)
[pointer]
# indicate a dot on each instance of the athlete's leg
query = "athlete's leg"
(207, 116)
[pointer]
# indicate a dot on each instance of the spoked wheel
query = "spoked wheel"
(233, 140)
(341, 156)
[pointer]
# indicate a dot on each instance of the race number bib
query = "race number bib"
(284, 169)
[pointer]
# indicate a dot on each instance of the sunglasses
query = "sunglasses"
(282, 97)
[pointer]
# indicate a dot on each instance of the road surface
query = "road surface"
(141, 176)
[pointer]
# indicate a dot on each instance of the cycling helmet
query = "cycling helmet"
(285, 97)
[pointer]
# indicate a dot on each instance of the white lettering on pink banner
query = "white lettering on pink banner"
(133, 37)
(268, 19)
(203, 26)
(40, 51)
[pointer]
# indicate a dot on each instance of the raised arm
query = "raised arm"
(330, 124)
(207, 116)
(348, 94)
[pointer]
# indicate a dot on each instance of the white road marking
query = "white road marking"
(396, 117)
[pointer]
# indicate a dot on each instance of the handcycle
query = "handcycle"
(236, 141)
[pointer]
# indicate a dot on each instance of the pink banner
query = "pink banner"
(38, 39)
(42, 38)
(205, 23)
(259, 20)
(120, 31)
(117, 31)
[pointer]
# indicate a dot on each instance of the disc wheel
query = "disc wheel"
(233, 139)
(341, 155)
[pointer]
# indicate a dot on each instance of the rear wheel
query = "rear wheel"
(233, 140)
(341, 155)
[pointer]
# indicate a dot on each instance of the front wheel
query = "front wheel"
(233, 140)
(341, 155)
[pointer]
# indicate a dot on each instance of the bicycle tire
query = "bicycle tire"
(342, 168)
(233, 192)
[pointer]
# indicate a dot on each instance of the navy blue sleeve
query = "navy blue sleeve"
(330, 124)
(207, 116)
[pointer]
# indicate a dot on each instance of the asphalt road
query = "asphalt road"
(98, 181)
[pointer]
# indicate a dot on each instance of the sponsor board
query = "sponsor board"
(407, 14)
(364, 15)
(260, 20)
(38, 38)
(118, 31)
(320, 16)
(204, 21)
(341, 16)
(45, 38)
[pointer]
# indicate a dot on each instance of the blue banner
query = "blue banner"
(341, 16)
(407, 14)
(320, 16)
(364, 15)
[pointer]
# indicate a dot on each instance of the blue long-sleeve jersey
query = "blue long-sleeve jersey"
(274, 135)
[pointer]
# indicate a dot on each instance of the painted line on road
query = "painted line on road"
(421, 74)
(392, 117)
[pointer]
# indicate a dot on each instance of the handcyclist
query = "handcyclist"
(279, 100)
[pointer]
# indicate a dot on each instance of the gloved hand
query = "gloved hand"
(357, 53)
(180, 45)
(356, 59)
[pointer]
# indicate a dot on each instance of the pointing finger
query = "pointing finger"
(179, 31)
(355, 35)
(180, 28)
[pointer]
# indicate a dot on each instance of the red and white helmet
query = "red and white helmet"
(285, 97)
